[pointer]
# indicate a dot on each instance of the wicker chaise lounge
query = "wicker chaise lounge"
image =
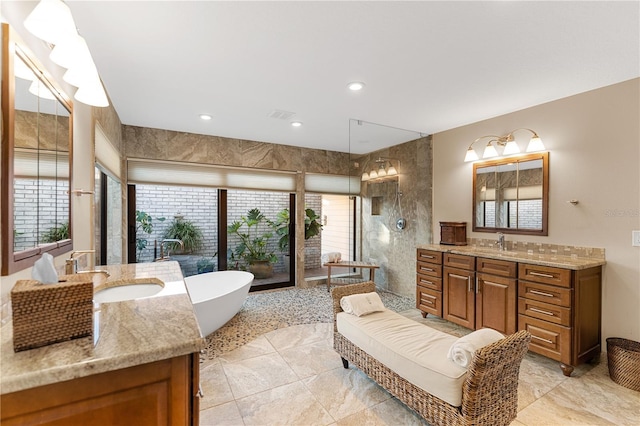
(489, 390)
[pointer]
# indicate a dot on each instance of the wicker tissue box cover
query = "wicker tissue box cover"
(44, 314)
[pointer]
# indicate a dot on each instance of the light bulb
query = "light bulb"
(471, 155)
(490, 151)
(511, 148)
(535, 144)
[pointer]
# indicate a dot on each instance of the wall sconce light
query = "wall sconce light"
(382, 170)
(507, 142)
(51, 21)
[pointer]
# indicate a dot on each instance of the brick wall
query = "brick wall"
(47, 202)
(199, 205)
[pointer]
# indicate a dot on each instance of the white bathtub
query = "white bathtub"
(217, 297)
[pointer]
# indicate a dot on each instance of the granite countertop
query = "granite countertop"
(126, 334)
(551, 259)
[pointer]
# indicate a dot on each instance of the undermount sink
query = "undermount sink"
(128, 291)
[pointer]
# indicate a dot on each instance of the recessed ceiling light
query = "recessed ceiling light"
(355, 86)
(296, 123)
(205, 116)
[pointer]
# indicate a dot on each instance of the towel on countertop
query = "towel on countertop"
(362, 304)
(462, 350)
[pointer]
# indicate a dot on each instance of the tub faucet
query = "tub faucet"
(168, 240)
(500, 241)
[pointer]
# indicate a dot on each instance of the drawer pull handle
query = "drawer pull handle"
(540, 274)
(427, 256)
(461, 277)
(540, 293)
(540, 311)
(427, 269)
(469, 286)
(544, 340)
(426, 282)
(428, 295)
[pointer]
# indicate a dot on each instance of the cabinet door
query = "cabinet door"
(157, 393)
(496, 303)
(459, 297)
(429, 301)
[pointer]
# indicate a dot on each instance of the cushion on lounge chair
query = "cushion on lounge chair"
(416, 352)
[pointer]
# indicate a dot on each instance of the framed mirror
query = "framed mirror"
(36, 160)
(511, 195)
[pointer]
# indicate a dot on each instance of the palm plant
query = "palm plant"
(186, 231)
(312, 227)
(254, 231)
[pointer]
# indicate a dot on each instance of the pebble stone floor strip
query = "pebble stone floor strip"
(268, 311)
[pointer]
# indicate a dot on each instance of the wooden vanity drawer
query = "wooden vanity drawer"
(430, 256)
(545, 274)
(429, 269)
(460, 261)
(429, 282)
(550, 340)
(545, 311)
(503, 268)
(545, 293)
(428, 300)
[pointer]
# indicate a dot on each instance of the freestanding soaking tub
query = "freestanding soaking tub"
(217, 297)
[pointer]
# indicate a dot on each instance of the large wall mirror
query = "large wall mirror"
(36, 159)
(511, 195)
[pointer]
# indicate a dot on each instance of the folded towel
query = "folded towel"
(362, 304)
(462, 350)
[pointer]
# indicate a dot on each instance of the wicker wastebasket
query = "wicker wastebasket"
(623, 356)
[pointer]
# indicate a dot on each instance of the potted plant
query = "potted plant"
(56, 233)
(254, 231)
(205, 264)
(312, 227)
(185, 231)
(144, 222)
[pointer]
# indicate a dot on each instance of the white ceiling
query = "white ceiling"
(428, 66)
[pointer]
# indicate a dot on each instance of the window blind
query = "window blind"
(332, 184)
(31, 163)
(106, 155)
(532, 192)
(143, 171)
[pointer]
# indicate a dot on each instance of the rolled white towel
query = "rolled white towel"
(462, 350)
(362, 304)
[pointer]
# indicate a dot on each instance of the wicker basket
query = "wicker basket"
(44, 314)
(623, 356)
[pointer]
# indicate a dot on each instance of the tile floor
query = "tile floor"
(293, 376)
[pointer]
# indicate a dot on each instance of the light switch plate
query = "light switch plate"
(635, 238)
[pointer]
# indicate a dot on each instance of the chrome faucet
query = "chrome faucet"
(500, 241)
(71, 264)
(168, 240)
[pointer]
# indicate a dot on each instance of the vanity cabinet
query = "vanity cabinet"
(429, 282)
(459, 289)
(157, 393)
(561, 309)
(480, 292)
(496, 294)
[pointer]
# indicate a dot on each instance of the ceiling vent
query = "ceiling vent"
(282, 115)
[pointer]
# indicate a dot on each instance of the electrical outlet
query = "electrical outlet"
(635, 238)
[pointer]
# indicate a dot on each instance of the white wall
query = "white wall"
(594, 144)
